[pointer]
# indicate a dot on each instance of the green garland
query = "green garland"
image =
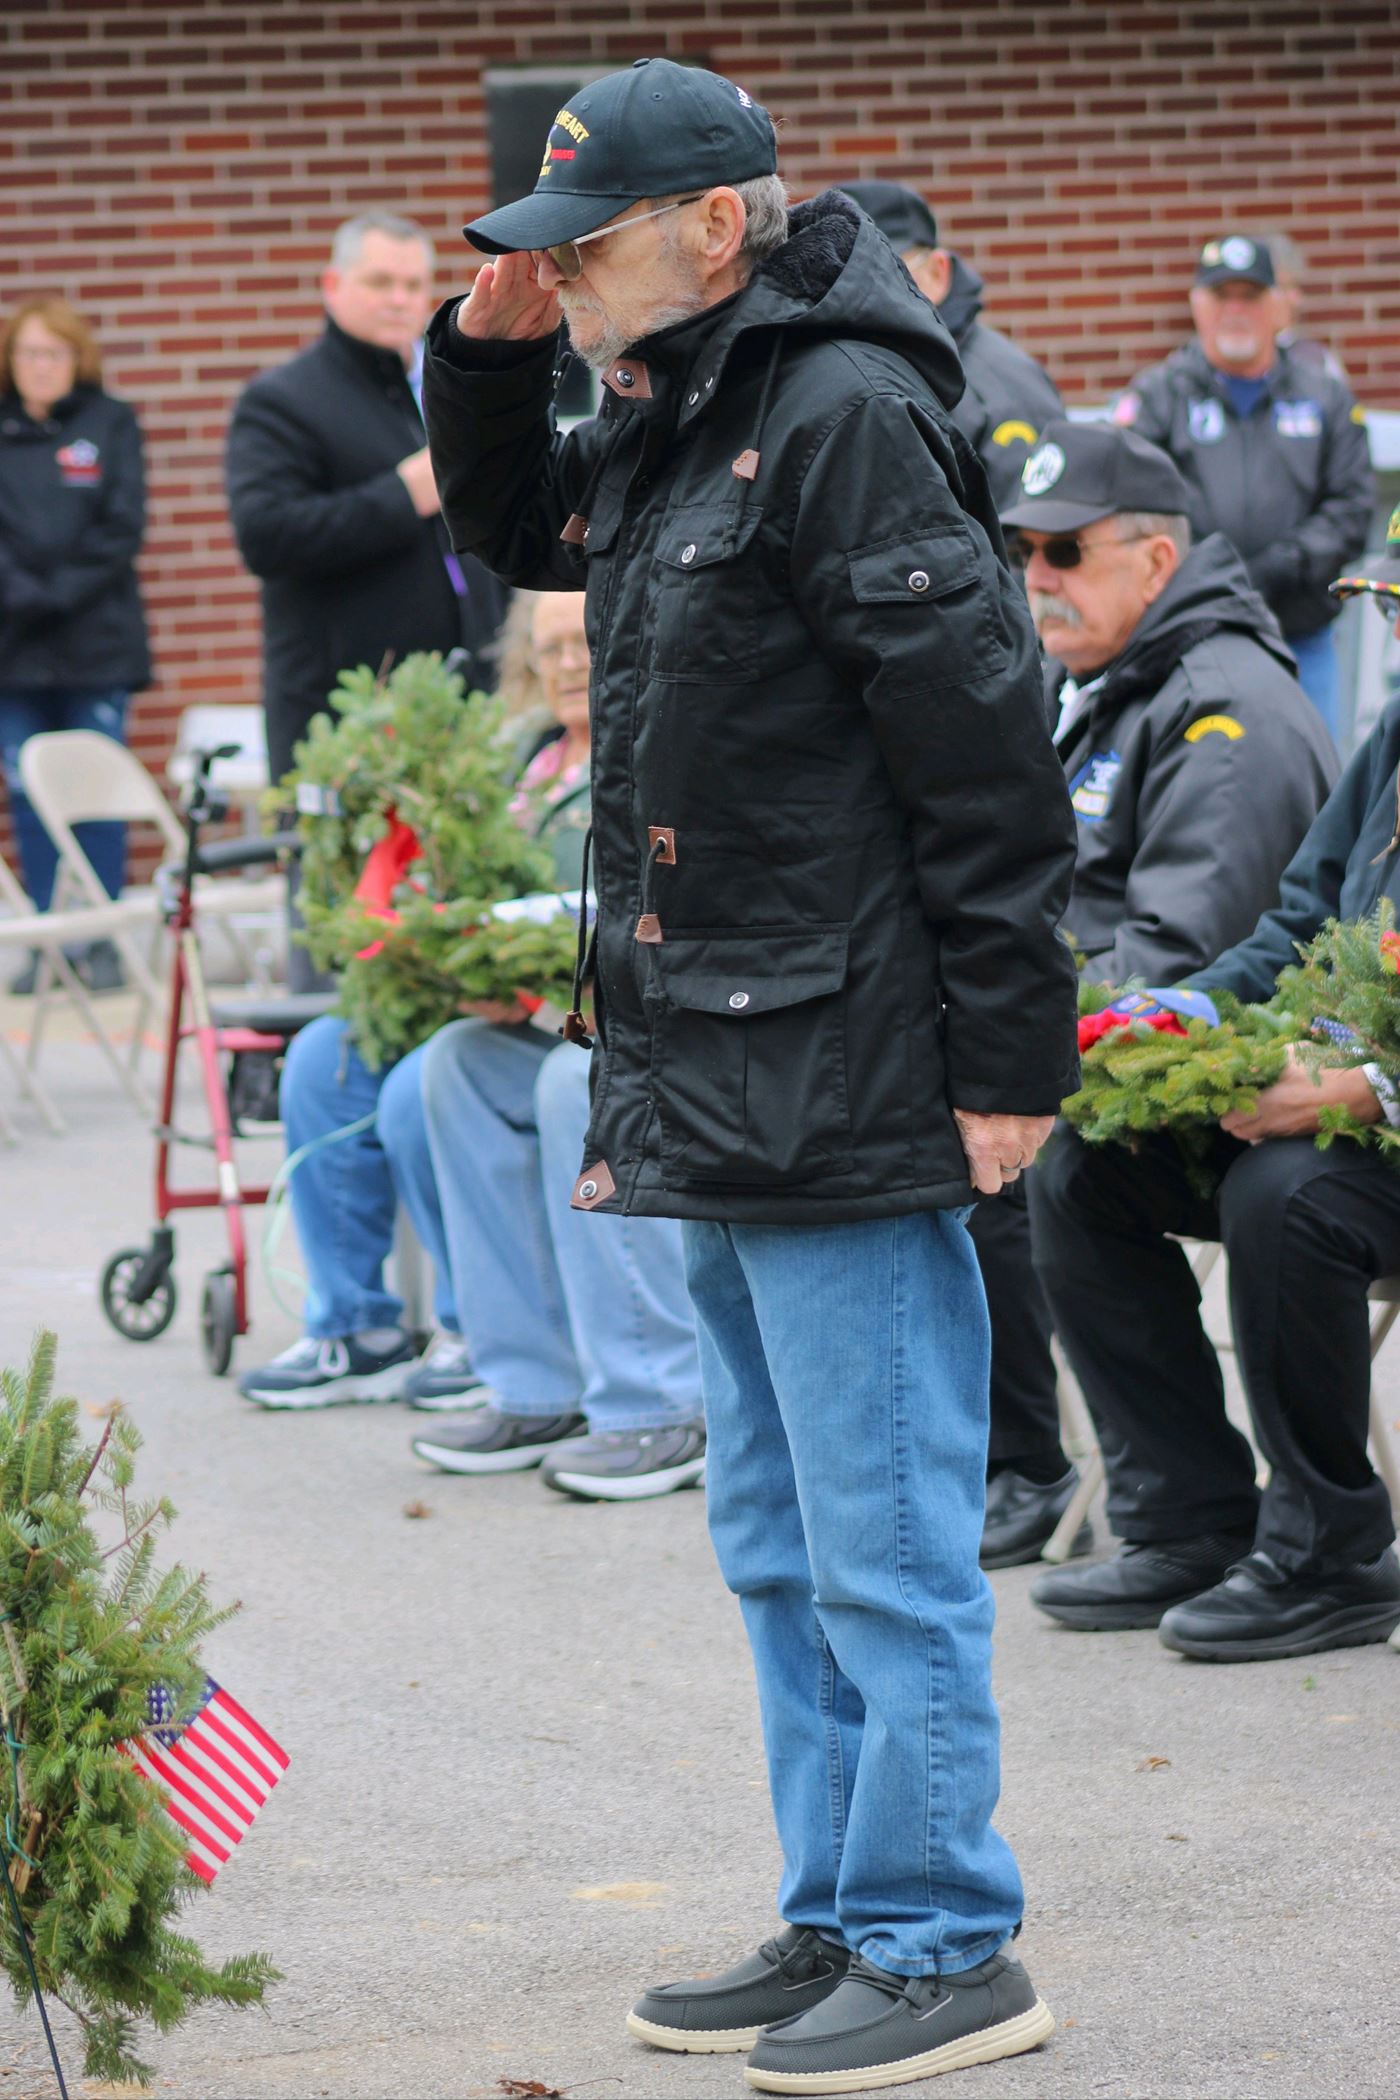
(1339, 1005)
(89, 1628)
(418, 744)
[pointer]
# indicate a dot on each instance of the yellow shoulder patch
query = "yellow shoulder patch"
(1008, 433)
(1358, 413)
(1215, 725)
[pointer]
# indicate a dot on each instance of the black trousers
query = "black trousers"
(1025, 1403)
(1306, 1232)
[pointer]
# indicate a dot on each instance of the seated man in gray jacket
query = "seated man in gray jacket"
(1227, 1573)
(1195, 766)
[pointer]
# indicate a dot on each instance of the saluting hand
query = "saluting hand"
(999, 1147)
(506, 303)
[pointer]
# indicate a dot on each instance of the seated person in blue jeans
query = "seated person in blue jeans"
(594, 1342)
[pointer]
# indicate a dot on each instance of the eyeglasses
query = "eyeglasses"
(565, 256)
(1063, 553)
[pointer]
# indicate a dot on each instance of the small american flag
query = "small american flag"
(215, 1770)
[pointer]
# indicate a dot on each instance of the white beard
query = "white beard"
(619, 332)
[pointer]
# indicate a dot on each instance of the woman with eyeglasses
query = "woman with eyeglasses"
(73, 645)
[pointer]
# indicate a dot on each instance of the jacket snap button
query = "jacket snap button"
(626, 378)
(708, 384)
(688, 553)
(693, 399)
(919, 580)
(738, 1000)
(588, 1190)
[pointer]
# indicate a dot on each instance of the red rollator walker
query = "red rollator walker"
(138, 1283)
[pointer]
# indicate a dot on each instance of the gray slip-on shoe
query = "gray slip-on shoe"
(721, 2015)
(876, 2029)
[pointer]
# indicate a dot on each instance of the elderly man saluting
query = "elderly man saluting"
(1195, 765)
(832, 848)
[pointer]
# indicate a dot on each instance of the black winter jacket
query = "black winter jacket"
(1194, 774)
(1348, 861)
(350, 572)
(1008, 398)
(833, 844)
(72, 513)
(1290, 484)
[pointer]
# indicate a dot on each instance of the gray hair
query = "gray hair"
(765, 202)
(350, 236)
(1148, 524)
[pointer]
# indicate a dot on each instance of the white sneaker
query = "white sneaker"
(329, 1373)
(443, 1380)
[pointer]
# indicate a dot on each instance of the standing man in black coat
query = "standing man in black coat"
(332, 494)
(832, 846)
(1008, 398)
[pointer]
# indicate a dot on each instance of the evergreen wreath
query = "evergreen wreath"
(411, 764)
(96, 1867)
(1339, 1005)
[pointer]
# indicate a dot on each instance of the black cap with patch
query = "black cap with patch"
(1235, 255)
(901, 215)
(653, 131)
(1082, 471)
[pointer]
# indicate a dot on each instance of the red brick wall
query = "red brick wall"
(177, 169)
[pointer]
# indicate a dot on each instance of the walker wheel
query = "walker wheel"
(218, 1320)
(139, 1319)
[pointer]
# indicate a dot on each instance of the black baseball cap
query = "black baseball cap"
(651, 131)
(1377, 573)
(901, 215)
(1082, 471)
(1235, 255)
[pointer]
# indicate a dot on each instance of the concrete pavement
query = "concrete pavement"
(526, 1777)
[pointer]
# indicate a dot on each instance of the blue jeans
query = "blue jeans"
(345, 1195)
(1317, 675)
(563, 1311)
(24, 714)
(846, 1372)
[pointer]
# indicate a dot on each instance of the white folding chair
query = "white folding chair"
(78, 776)
(24, 929)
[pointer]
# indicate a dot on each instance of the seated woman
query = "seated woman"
(581, 1327)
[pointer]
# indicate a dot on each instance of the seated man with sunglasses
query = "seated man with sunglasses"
(1195, 765)
(1226, 1573)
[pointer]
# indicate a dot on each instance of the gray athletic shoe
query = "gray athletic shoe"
(443, 1381)
(877, 2029)
(490, 1441)
(331, 1373)
(628, 1465)
(721, 2015)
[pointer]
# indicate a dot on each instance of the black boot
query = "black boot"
(1262, 1611)
(1139, 1583)
(1022, 1514)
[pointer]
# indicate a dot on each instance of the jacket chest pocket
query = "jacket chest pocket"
(704, 596)
(750, 1062)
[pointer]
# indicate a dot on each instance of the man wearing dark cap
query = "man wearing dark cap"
(1274, 451)
(1229, 1573)
(832, 847)
(1008, 396)
(1195, 766)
